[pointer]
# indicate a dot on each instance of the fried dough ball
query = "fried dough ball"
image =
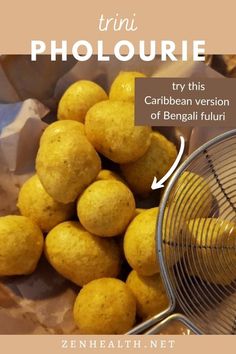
(157, 161)
(139, 243)
(106, 207)
(21, 244)
(59, 127)
(149, 292)
(78, 98)
(110, 127)
(38, 205)
(122, 88)
(66, 164)
(212, 256)
(105, 306)
(80, 256)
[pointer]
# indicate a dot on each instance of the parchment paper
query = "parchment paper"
(29, 92)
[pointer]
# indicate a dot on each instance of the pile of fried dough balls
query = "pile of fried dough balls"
(89, 213)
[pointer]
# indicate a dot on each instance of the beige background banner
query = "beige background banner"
(73, 20)
(58, 344)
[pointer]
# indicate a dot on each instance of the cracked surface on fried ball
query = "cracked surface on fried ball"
(80, 256)
(78, 98)
(39, 206)
(66, 164)
(110, 127)
(106, 207)
(149, 292)
(139, 243)
(21, 245)
(157, 161)
(105, 306)
(123, 87)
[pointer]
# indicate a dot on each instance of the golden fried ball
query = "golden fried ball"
(105, 306)
(149, 293)
(38, 205)
(122, 88)
(66, 164)
(110, 127)
(59, 127)
(157, 161)
(107, 175)
(78, 98)
(21, 245)
(212, 256)
(140, 245)
(80, 256)
(106, 207)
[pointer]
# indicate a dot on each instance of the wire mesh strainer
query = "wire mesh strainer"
(196, 241)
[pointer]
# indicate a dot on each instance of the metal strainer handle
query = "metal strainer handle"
(174, 317)
(155, 324)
